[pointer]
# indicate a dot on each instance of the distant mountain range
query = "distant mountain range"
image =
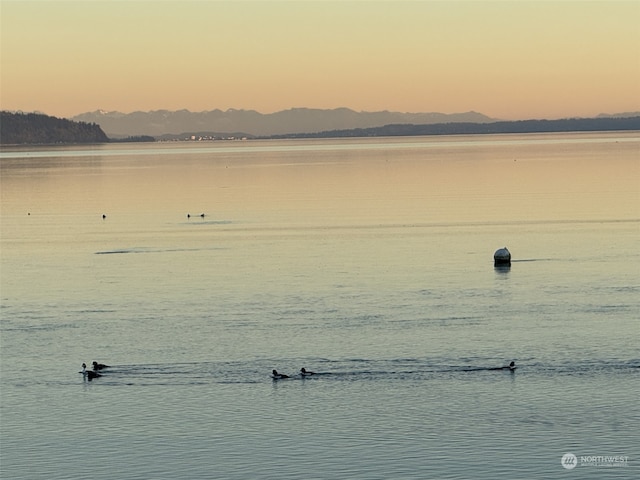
(36, 128)
(254, 124)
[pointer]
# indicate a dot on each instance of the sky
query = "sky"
(509, 59)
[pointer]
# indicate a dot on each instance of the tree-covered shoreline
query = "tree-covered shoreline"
(468, 128)
(38, 129)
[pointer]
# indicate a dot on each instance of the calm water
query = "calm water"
(369, 262)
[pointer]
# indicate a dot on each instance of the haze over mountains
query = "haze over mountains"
(36, 128)
(253, 123)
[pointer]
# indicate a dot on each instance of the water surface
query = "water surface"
(368, 261)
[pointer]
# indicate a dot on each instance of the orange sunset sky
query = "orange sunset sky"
(507, 59)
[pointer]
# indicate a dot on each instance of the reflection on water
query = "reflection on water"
(369, 262)
(425, 180)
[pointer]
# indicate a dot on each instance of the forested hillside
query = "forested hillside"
(35, 128)
(522, 126)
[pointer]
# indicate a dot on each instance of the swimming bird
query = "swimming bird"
(88, 373)
(275, 375)
(512, 366)
(306, 373)
(99, 366)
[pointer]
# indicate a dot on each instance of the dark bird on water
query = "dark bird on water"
(99, 366)
(89, 374)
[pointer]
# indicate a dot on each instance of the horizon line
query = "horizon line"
(628, 113)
